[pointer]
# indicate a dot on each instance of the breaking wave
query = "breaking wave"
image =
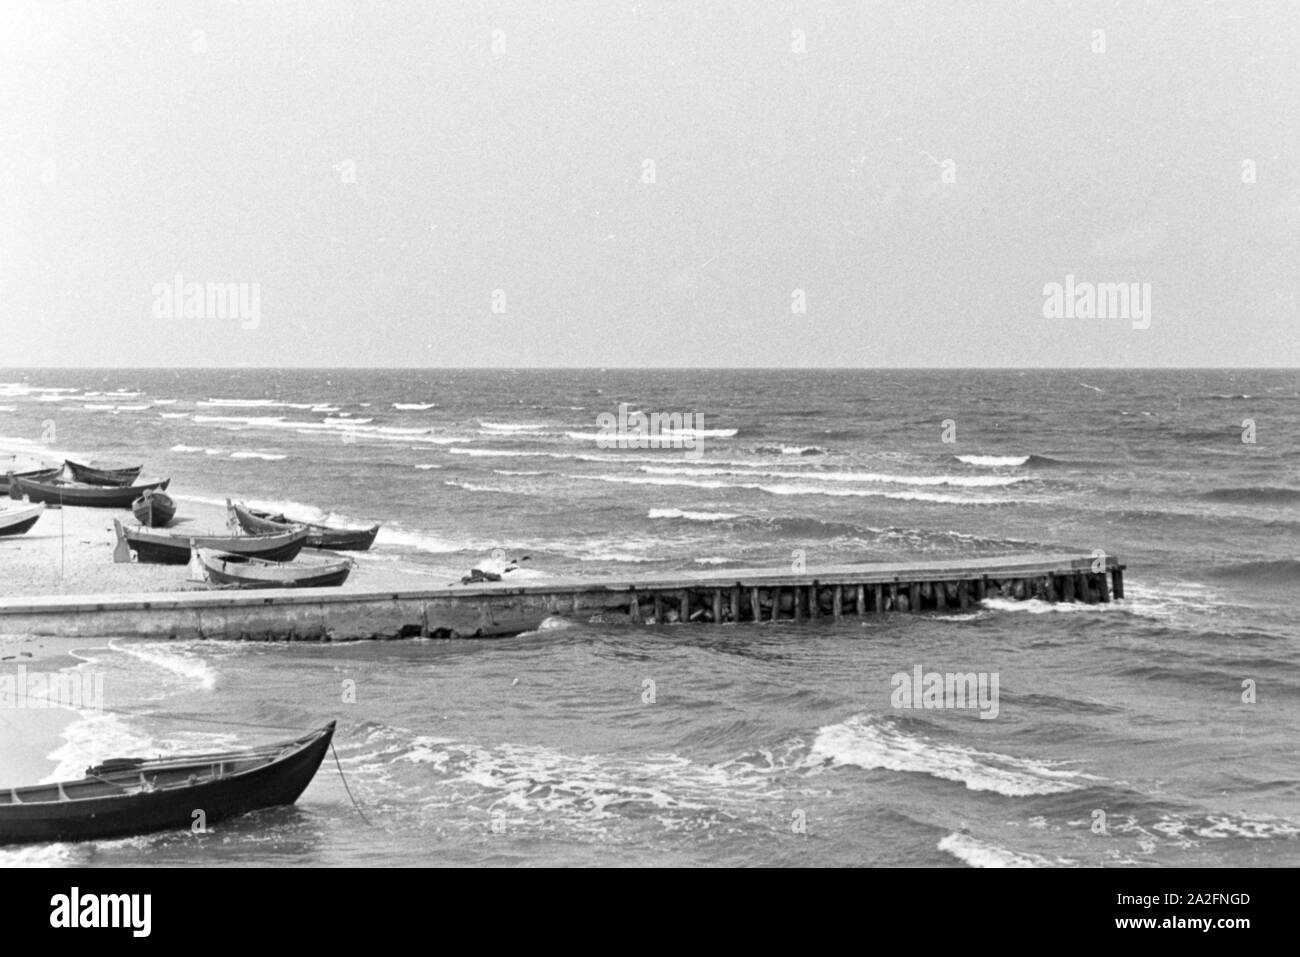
(874, 743)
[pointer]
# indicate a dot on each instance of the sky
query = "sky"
(708, 184)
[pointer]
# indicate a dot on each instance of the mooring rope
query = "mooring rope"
(338, 764)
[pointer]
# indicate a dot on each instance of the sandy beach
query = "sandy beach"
(70, 552)
(31, 726)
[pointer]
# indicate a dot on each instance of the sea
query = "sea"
(1158, 730)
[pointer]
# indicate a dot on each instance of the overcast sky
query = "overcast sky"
(917, 172)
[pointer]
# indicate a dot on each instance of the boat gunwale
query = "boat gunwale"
(232, 570)
(28, 510)
(319, 566)
(182, 540)
(283, 752)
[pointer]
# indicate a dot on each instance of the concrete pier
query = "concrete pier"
(487, 609)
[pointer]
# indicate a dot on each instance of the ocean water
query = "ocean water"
(1125, 734)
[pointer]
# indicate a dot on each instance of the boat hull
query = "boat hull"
(85, 496)
(21, 520)
(279, 782)
(155, 510)
(221, 570)
(341, 539)
(318, 536)
(169, 548)
(107, 477)
(40, 475)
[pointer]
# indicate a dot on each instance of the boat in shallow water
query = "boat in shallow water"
(139, 795)
(257, 522)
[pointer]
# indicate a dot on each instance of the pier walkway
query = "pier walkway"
(485, 609)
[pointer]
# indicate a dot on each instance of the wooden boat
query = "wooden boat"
(173, 548)
(256, 522)
(140, 795)
(91, 475)
(154, 509)
(15, 521)
(222, 568)
(54, 492)
(39, 475)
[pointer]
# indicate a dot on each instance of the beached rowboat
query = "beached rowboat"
(140, 795)
(154, 509)
(40, 475)
(15, 521)
(222, 568)
(54, 492)
(93, 475)
(256, 522)
(173, 548)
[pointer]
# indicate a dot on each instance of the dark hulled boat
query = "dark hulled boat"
(257, 522)
(39, 475)
(222, 568)
(54, 492)
(140, 795)
(15, 521)
(154, 509)
(173, 548)
(93, 475)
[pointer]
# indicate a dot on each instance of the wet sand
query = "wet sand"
(31, 725)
